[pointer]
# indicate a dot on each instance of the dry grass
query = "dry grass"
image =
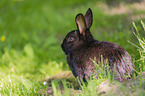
(124, 9)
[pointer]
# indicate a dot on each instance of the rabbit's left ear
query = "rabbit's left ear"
(89, 18)
(81, 24)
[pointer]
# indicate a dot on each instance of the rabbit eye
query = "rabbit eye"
(70, 39)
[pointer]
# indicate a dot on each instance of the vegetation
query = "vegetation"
(31, 33)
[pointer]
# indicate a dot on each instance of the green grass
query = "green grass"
(34, 31)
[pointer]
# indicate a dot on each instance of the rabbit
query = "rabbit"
(81, 48)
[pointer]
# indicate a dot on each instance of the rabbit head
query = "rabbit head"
(82, 35)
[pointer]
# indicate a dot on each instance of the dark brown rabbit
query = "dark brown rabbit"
(80, 47)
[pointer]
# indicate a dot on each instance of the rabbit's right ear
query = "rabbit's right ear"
(81, 24)
(89, 18)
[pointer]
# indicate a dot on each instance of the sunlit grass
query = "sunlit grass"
(22, 73)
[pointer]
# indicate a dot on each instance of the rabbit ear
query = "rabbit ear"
(89, 18)
(81, 24)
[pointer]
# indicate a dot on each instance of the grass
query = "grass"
(31, 33)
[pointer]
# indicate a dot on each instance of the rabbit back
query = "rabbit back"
(81, 64)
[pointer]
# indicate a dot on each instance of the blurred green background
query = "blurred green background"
(32, 31)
